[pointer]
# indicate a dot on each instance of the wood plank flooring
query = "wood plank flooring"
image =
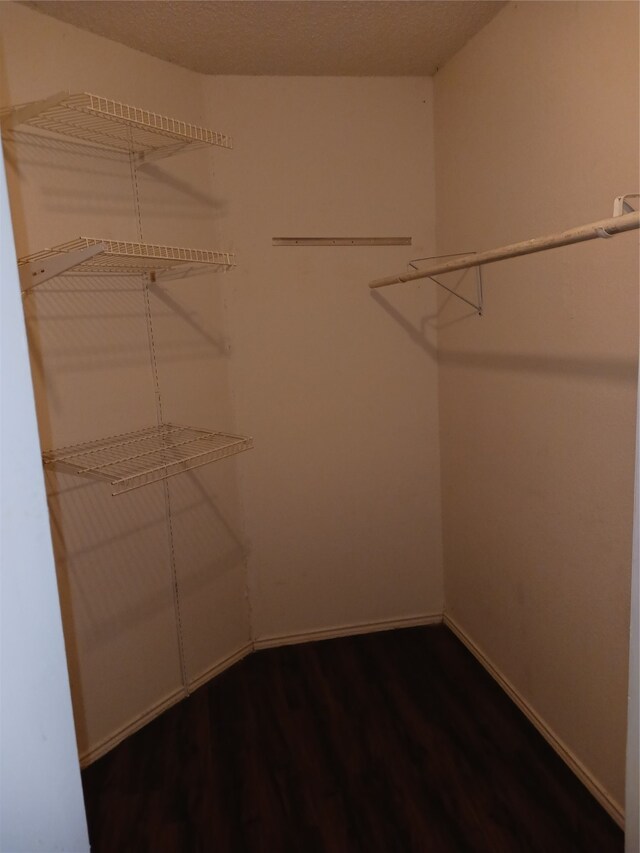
(386, 743)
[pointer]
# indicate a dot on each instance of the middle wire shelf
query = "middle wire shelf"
(93, 255)
(135, 459)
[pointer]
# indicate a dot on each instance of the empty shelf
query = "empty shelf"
(92, 255)
(136, 459)
(111, 124)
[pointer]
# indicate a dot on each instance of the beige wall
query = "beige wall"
(339, 389)
(333, 521)
(537, 130)
(92, 373)
(342, 490)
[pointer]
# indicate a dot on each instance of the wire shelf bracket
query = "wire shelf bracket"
(90, 255)
(140, 158)
(35, 272)
(131, 460)
(12, 117)
(113, 125)
(477, 306)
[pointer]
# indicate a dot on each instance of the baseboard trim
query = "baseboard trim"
(586, 777)
(96, 752)
(610, 805)
(219, 667)
(347, 630)
(91, 755)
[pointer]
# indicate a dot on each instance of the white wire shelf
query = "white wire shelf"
(111, 124)
(92, 255)
(145, 456)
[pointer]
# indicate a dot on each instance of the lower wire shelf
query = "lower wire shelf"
(135, 459)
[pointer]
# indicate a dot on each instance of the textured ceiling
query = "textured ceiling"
(314, 37)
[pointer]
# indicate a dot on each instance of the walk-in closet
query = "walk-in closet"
(319, 400)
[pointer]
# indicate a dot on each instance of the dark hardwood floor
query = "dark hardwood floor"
(386, 743)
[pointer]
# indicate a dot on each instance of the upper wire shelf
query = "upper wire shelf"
(135, 459)
(111, 124)
(92, 255)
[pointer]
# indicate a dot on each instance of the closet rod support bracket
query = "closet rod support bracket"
(477, 306)
(622, 206)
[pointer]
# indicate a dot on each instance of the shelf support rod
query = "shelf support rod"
(603, 228)
(33, 273)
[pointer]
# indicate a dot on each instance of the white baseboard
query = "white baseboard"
(96, 752)
(219, 667)
(586, 777)
(347, 630)
(173, 698)
(104, 746)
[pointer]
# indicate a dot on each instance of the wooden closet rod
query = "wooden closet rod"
(602, 228)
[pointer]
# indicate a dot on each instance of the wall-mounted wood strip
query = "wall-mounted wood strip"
(341, 241)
